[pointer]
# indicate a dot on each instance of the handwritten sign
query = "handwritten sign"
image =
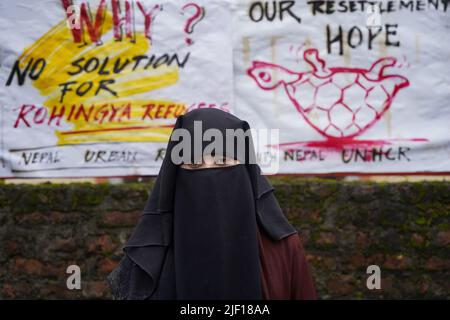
(353, 86)
(93, 87)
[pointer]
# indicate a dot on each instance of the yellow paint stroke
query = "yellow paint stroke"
(246, 49)
(418, 47)
(346, 50)
(273, 52)
(59, 49)
(383, 48)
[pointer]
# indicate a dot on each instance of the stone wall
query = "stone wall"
(345, 226)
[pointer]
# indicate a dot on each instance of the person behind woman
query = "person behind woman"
(212, 227)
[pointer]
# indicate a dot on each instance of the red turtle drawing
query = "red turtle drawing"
(339, 103)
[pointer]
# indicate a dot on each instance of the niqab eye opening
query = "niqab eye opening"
(210, 161)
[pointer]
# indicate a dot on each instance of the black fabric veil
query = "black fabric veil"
(147, 271)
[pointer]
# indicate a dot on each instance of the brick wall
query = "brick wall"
(346, 226)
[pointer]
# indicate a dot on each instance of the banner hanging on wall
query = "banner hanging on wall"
(354, 86)
(93, 87)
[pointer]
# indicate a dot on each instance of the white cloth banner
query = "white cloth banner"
(93, 88)
(352, 87)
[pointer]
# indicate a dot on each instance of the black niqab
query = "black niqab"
(215, 241)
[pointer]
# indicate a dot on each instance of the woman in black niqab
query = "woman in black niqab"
(197, 237)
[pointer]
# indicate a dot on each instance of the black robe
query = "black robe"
(149, 267)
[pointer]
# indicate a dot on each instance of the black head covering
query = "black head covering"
(196, 237)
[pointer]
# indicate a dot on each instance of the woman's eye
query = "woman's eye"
(221, 161)
(192, 165)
